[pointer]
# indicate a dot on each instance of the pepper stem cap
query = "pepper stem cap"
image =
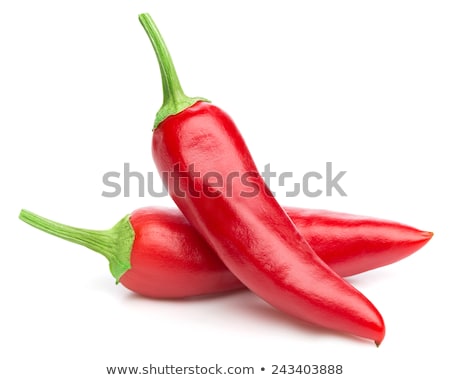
(115, 244)
(174, 98)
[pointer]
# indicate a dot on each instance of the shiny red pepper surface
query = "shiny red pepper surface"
(253, 235)
(352, 244)
(247, 228)
(169, 258)
(155, 252)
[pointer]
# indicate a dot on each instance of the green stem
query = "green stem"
(174, 98)
(115, 244)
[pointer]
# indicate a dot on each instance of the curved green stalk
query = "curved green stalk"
(174, 99)
(115, 244)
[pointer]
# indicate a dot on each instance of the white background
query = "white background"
(365, 86)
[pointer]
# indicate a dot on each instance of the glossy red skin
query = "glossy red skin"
(169, 259)
(352, 244)
(253, 236)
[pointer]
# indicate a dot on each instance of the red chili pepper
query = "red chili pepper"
(155, 252)
(242, 221)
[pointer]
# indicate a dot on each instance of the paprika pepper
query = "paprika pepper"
(155, 252)
(245, 225)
